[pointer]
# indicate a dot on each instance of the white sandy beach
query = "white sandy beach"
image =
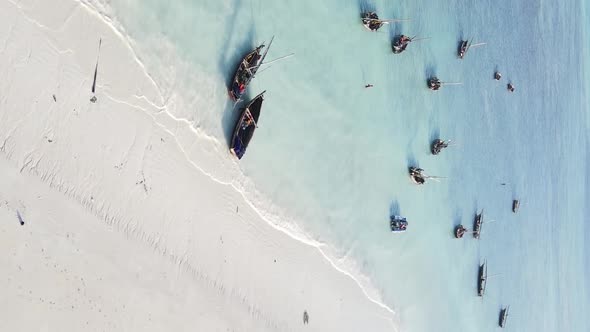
(124, 228)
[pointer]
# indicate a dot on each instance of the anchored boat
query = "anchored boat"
(515, 205)
(466, 45)
(371, 21)
(460, 231)
(398, 224)
(246, 71)
(438, 145)
(246, 125)
(503, 317)
(434, 83)
(400, 43)
(477, 222)
(482, 279)
(416, 175)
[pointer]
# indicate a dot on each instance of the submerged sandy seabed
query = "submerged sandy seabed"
(122, 228)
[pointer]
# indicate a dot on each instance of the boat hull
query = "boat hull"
(414, 173)
(463, 45)
(398, 224)
(477, 225)
(245, 126)
(435, 148)
(503, 317)
(433, 83)
(515, 205)
(397, 46)
(244, 74)
(371, 21)
(481, 280)
(460, 231)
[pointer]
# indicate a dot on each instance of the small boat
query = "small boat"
(497, 76)
(482, 277)
(434, 83)
(371, 21)
(510, 87)
(478, 221)
(398, 224)
(466, 45)
(246, 71)
(438, 145)
(246, 125)
(460, 231)
(463, 47)
(400, 43)
(515, 205)
(416, 175)
(503, 317)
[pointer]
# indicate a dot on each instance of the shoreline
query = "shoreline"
(102, 188)
(288, 228)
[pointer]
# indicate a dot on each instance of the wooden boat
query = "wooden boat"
(438, 145)
(434, 83)
(246, 125)
(477, 222)
(246, 71)
(460, 231)
(510, 87)
(497, 76)
(416, 175)
(400, 43)
(503, 317)
(482, 279)
(466, 45)
(463, 47)
(371, 21)
(398, 224)
(515, 205)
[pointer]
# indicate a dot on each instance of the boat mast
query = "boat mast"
(264, 55)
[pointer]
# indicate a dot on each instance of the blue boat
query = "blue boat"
(246, 125)
(398, 224)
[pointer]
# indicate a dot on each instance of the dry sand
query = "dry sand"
(123, 230)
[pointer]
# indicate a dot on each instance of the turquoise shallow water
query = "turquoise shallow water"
(334, 155)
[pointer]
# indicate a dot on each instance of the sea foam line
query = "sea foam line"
(92, 8)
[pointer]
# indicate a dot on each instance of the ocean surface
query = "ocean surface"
(332, 156)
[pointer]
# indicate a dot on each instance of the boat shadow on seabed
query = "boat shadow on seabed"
(227, 64)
